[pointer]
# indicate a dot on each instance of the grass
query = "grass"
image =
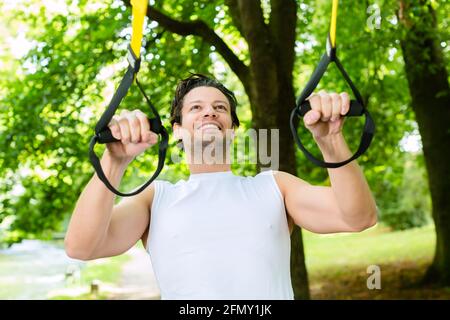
(338, 264)
(374, 246)
(106, 272)
(80, 295)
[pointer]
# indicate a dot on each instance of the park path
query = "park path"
(138, 280)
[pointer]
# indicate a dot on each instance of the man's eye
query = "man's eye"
(195, 107)
(222, 107)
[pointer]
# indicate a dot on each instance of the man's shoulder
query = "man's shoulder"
(287, 181)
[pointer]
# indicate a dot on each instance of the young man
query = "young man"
(218, 235)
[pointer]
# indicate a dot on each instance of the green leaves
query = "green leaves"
(51, 98)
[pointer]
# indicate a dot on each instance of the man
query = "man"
(217, 235)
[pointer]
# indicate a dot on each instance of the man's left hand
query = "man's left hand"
(325, 119)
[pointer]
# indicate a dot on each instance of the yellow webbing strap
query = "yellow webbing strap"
(333, 23)
(139, 11)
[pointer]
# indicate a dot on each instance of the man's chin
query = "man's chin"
(218, 141)
(210, 137)
(212, 143)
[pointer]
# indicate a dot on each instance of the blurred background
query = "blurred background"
(60, 62)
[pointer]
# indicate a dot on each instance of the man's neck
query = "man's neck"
(206, 160)
(207, 168)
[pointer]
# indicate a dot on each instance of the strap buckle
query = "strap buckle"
(331, 51)
(134, 61)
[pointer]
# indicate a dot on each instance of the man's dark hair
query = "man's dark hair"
(199, 80)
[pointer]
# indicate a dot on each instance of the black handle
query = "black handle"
(105, 136)
(356, 109)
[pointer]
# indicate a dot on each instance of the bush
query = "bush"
(412, 206)
(405, 218)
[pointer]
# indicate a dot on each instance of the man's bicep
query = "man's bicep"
(130, 219)
(313, 208)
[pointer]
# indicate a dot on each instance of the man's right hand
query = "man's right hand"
(133, 130)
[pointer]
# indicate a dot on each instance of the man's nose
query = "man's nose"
(210, 111)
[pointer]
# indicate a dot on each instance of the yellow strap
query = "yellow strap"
(139, 12)
(333, 23)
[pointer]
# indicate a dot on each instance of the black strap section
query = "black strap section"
(350, 82)
(121, 92)
(314, 80)
(357, 108)
(103, 134)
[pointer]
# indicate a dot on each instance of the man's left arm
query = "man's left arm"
(348, 183)
(348, 205)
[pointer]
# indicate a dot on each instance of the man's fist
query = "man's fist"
(132, 128)
(326, 115)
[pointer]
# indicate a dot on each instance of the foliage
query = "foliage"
(412, 207)
(48, 108)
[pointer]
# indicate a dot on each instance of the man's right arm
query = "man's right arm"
(98, 228)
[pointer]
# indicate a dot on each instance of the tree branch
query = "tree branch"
(152, 41)
(201, 29)
(235, 15)
(253, 27)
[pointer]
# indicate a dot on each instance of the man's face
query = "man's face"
(206, 116)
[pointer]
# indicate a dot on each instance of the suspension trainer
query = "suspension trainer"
(102, 132)
(357, 107)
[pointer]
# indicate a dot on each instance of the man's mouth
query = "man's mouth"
(209, 126)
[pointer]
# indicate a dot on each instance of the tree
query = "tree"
(427, 76)
(52, 96)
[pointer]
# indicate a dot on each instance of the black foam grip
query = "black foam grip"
(356, 109)
(105, 136)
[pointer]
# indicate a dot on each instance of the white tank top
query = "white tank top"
(220, 236)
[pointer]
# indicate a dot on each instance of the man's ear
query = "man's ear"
(177, 135)
(232, 133)
(176, 131)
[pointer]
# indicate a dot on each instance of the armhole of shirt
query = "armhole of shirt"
(280, 197)
(275, 184)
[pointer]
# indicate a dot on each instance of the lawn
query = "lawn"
(106, 272)
(338, 264)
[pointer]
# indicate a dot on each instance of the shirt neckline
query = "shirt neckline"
(210, 175)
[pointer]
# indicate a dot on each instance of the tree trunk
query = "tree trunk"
(429, 88)
(271, 109)
(272, 95)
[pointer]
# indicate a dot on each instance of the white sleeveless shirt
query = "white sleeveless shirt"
(220, 236)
